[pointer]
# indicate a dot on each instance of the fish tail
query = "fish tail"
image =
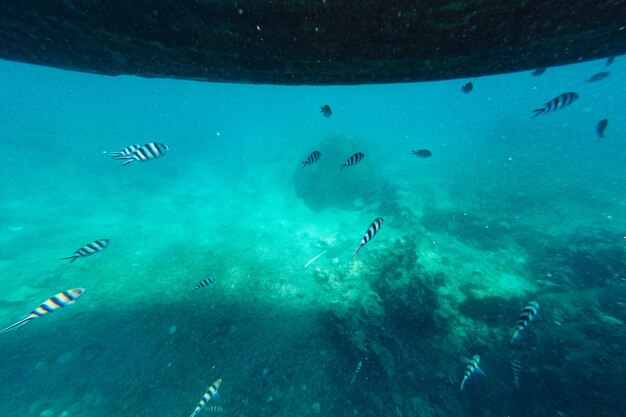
(515, 335)
(16, 326)
(342, 166)
(538, 112)
(72, 258)
(358, 248)
(127, 162)
(463, 383)
(305, 163)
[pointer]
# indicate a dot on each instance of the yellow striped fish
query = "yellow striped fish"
(60, 300)
(211, 393)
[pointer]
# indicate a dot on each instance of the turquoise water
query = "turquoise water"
(507, 210)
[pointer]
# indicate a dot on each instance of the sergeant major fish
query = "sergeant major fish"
(127, 151)
(51, 304)
(525, 317)
(353, 160)
(146, 152)
(602, 124)
(89, 249)
(204, 284)
(516, 367)
(371, 232)
(211, 393)
(557, 103)
(422, 153)
(313, 158)
(326, 111)
(472, 366)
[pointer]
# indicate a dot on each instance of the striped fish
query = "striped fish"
(89, 249)
(356, 372)
(557, 103)
(516, 366)
(313, 158)
(472, 366)
(371, 232)
(205, 283)
(214, 409)
(422, 153)
(60, 300)
(127, 151)
(211, 393)
(525, 317)
(146, 152)
(353, 160)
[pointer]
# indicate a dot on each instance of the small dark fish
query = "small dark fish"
(313, 158)
(326, 111)
(353, 160)
(557, 103)
(602, 124)
(146, 152)
(538, 72)
(516, 367)
(610, 60)
(423, 153)
(472, 366)
(127, 151)
(89, 249)
(598, 77)
(371, 232)
(467, 88)
(526, 316)
(356, 372)
(205, 283)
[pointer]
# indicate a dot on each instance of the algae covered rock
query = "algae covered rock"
(323, 185)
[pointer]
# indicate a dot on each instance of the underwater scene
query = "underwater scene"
(451, 248)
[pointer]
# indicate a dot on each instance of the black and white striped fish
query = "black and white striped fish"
(146, 152)
(371, 232)
(51, 304)
(526, 316)
(557, 103)
(422, 153)
(356, 372)
(127, 151)
(211, 393)
(516, 367)
(313, 158)
(89, 249)
(472, 366)
(326, 111)
(353, 160)
(204, 284)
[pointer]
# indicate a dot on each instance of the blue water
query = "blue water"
(508, 209)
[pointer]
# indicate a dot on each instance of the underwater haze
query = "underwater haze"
(507, 210)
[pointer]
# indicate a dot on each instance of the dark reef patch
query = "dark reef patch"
(493, 311)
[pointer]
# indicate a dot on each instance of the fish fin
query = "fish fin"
(305, 163)
(463, 383)
(127, 162)
(538, 112)
(480, 371)
(342, 166)
(17, 326)
(515, 336)
(72, 258)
